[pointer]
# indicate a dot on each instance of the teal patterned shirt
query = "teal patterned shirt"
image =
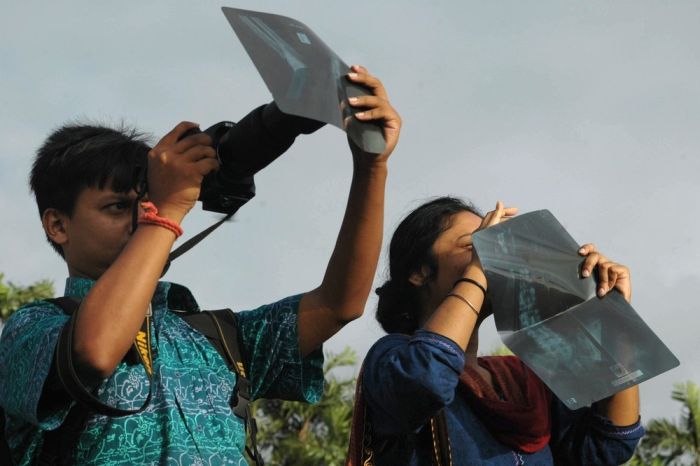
(188, 421)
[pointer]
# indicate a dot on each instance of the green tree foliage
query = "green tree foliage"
(300, 434)
(13, 296)
(637, 461)
(669, 442)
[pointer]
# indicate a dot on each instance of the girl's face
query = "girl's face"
(453, 251)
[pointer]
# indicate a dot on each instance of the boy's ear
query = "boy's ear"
(54, 223)
(418, 279)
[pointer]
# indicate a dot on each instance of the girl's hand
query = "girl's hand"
(611, 275)
(496, 216)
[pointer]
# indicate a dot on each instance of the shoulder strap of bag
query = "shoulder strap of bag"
(222, 330)
(5, 456)
(442, 452)
(59, 444)
(56, 443)
(360, 451)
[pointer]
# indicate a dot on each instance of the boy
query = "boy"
(84, 185)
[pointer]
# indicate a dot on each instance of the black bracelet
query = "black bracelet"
(473, 282)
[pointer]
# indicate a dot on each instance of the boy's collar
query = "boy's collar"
(178, 296)
(78, 287)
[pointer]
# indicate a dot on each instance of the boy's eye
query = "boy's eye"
(118, 206)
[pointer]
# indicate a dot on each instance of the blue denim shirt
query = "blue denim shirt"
(188, 420)
(407, 380)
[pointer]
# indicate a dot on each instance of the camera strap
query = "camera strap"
(192, 242)
(57, 443)
(69, 378)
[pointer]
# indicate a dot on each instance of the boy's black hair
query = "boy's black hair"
(78, 156)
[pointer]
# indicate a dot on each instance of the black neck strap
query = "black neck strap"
(192, 242)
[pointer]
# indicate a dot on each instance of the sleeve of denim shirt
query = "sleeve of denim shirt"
(406, 380)
(583, 437)
(271, 349)
(26, 354)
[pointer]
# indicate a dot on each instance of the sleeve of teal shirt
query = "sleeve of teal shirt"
(26, 353)
(271, 349)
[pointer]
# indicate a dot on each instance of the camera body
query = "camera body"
(224, 190)
(243, 149)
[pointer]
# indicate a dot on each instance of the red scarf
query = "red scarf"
(521, 420)
(520, 416)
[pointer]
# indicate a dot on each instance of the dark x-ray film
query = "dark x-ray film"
(584, 348)
(305, 77)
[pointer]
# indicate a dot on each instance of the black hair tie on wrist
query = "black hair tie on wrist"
(473, 282)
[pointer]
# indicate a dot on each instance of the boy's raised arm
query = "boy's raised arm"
(343, 293)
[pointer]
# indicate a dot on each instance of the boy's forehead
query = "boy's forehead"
(108, 189)
(116, 184)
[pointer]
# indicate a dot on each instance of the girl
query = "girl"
(428, 398)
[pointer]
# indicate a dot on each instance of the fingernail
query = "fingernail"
(582, 250)
(360, 114)
(352, 100)
(586, 273)
(352, 75)
(601, 292)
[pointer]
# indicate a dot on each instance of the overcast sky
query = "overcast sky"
(588, 109)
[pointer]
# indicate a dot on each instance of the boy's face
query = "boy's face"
(97, 231)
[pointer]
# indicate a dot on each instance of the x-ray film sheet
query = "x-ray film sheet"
(305, 77)
(584, 348)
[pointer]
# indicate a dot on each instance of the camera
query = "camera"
(245, 148)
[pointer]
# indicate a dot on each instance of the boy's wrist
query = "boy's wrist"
(370, 167)
(152, 215)
(173, 213)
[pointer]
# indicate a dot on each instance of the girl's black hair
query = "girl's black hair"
(79, 156)
(411, 248)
